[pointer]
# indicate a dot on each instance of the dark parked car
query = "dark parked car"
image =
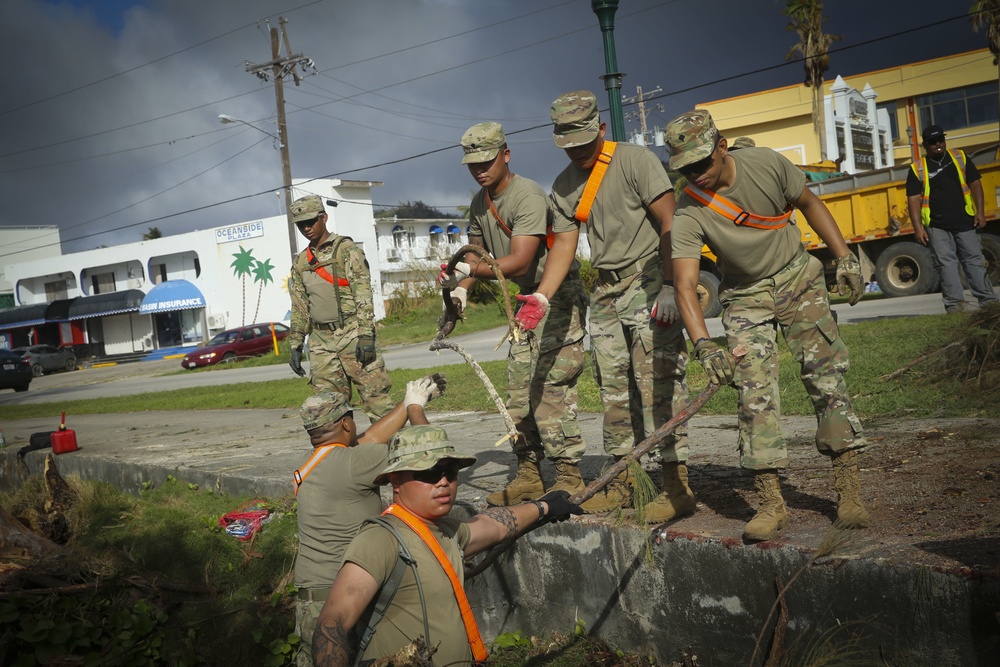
(252, 340)
(15, 372)
(47, 359)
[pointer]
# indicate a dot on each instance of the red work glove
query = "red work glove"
(533, 310)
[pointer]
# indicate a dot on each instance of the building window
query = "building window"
(398, 237)
(55, 290)
(158, 273)
(103, 283)
(437, 235)
(454, 234)
(960, 107)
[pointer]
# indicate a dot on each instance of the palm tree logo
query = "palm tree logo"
(242, 266)
(262, 275)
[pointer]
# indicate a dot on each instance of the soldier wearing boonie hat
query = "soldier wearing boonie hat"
(509, 216)
(742, 142)
(423, 471)
(334, 491)
(623, 194)
(740, 204)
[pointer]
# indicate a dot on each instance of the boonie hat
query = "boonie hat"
(482, 142)
(692, 136)
(933, 133)
(322, 408)
(742, 142)
(307, 208)
(420, 448)
(575, 119)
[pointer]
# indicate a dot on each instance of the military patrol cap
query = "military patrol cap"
(742, 142)
(482, 142)
(306, 208)
(575, 119)
(420, 448)
(692, 136)
(323, 408)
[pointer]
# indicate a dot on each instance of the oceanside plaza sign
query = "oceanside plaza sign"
(247, 230)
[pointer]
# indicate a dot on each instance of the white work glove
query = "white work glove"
(665, 307)
(460, 297)
(421, 391)
(461, 272)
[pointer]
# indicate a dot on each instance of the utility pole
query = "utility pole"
(642, 113)
(605, 10)
(278, 68)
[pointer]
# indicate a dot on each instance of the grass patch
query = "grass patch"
(419, 324)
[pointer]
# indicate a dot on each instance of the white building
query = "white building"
(24, 244)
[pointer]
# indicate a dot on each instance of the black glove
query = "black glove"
(296, 362)
(559, 506)
(365, 352)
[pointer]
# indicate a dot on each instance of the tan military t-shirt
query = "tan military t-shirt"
(766, 183)
(524, 208)
(375, 550)
(619, 229)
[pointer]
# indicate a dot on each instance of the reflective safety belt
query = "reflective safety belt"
(424, 533)
(594, 182)
(318, 455)
(549, 234)
(322, 272)
(731, 211)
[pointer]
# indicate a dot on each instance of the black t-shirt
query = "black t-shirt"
(947, 202)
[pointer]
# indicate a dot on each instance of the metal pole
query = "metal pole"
(605, 10)
(286, 165)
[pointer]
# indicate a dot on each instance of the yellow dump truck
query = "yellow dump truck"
(870, 209)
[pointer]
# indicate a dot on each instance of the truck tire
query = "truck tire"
(708, 294)
(906, 269)
(991, 251)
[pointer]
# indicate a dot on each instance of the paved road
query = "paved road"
(147, 376)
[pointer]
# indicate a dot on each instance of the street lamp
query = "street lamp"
(286, 174)
(605, 10)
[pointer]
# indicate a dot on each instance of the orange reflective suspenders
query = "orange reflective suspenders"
(424, 533)
(594, 182)
(729, 210)
(549, 234)
(318, 455)
(322, 272)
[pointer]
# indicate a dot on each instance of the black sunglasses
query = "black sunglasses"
(434, 475)
(697, 168)
(307, 223)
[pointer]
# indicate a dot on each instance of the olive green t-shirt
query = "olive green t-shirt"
(619, 228)
(375, 550)
(524, 208)
(765, 184)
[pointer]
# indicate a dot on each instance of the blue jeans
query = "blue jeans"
(950, 248)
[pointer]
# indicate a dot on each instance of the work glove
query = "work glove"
(459, 298)
(421, 391)
(559, 505)
(365, 352)
(718, 363)
(461, 272)
(849, 280)
(665, 310)
(533, 310)
(296, 362)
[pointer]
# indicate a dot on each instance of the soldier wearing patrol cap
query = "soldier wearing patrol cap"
(335, 492)
(510, 218)
(740, 204)
(332, 303)
(623, 196)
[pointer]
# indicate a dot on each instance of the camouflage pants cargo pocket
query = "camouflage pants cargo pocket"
(334, 367)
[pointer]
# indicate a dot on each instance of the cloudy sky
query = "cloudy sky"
(109, 113)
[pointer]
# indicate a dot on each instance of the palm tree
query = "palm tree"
(153, 233)
(242, 266)
(986, 15)
(261, 274)
(806, 19)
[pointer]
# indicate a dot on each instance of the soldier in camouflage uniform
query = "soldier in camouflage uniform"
(639, 353)
(510, 218)
(332, 303)
(769, 282)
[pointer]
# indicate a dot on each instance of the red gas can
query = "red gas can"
(64, 440)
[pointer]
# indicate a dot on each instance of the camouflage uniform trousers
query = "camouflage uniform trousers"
(334, 367)
(306, 616)
(794, 299)
(635, 358)
(541, 379)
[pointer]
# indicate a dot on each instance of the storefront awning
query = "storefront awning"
(111, 303)
(436, 230)
(23, 316)
(58, 311)
(172, 295)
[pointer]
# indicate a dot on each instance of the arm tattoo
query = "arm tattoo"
(505, 517)
(330, 645)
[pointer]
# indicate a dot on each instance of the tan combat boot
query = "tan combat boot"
(771, 515)
(851, 513)
(677, 500)
(526, 485)
(618, 493)
(567, 477)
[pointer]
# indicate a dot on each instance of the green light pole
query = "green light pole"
(605, 10)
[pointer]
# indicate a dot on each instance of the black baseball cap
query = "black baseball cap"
(933, 133)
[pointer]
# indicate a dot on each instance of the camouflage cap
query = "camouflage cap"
(306, 208)
(692, 136)
(482, 142)
(742, 142)
(322, 408)
(420, 448)
(575, 119)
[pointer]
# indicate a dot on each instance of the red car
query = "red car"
(252, 340)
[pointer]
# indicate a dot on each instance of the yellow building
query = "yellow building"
(958, 92)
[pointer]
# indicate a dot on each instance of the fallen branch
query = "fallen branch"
(922, 358)
(451, 315)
